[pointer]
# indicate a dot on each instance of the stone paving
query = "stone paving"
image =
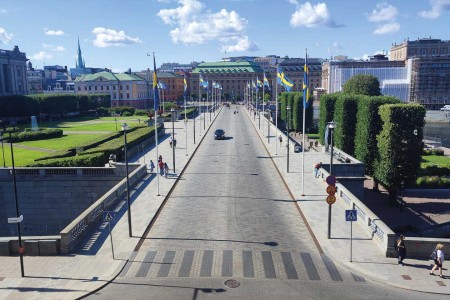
(75, 275)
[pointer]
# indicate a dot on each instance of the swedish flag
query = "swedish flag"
(185, 85)
(266, 82)
(155, 88)
(258, 82)
(306, 101)
(283, 80)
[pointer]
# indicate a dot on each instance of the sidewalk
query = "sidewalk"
(92, 265)
(366, 257)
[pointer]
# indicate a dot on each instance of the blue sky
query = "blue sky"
(118, 34)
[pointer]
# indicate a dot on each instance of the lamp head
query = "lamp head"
(288, 107)
(124, 126)
(332, 125)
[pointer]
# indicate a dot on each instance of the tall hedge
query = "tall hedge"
(283, 104)
(362, 84)
(297, 118)
(399, 145)
(345, 118)
(16, 106)
(326, 113)
(368, 126)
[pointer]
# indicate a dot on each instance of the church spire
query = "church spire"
(79, 63)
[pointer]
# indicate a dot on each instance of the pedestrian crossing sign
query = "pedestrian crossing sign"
(351, 215)
(108, 216)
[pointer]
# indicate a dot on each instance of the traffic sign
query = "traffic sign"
(15, 220)
(108, 216)
(351, 215)
(331, 180)
(331, 199)
(331, 190)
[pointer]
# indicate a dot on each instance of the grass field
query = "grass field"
(22, 157)
(63, 142)
(436, 159)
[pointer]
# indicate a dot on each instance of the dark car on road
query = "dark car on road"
(219, 134)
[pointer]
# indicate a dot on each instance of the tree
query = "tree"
(363, 84)
(399, 145)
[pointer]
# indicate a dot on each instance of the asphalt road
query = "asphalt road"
(231, 217)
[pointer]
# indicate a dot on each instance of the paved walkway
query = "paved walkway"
(92, 266)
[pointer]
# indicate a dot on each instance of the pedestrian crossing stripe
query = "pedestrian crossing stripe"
(351, 215)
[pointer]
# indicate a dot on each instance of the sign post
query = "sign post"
(351, 216)
(109, 216)
(331, 190)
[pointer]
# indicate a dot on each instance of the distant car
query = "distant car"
(446, 107)
(219, 134)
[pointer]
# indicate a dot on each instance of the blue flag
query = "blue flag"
(155, 88)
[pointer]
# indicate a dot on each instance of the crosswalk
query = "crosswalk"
(257, 264)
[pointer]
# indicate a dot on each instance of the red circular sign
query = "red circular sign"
(331, 190)
(331, 199)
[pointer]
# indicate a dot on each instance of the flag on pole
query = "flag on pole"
(283, 80)
(155, 88)
(203, 83)
(266, 82)
(306, 101)
(185, 85)
(258, 82)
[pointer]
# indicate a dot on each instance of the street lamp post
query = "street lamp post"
(124, 129)
(3, 150)
(21, 250)
(331, 126)
(172, 113)
(288, 116)
(259, 119)
(268, 126)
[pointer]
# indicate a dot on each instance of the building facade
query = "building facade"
(394, 76)
(421, 48)
(13, 72)
(293, 69)
(124, 89)
(232, 76)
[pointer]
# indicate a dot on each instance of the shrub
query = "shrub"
(140, 112)
(438, 152)
(127, 114)
(434, 170)
(432, 182)
(40, 135)
(58, 154)
(326, 113)
(345, 117)
(92, 160)
(102, 111)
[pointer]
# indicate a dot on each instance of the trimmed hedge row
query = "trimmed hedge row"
(58, 154)
(433, 169)
(438, 152)
(432, 182)
(44, 134)
(326, 113)
(91, 160)
(345, 111)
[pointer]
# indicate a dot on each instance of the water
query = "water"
(438, 131)
(34, 125)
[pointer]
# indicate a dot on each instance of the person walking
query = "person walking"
(159, 158)
(152, 166)
(171, 141)
(438, 257)
(161, 167)
(174, 143)
(280, 138)
(317, 168)
(166, 169)
(401, 249)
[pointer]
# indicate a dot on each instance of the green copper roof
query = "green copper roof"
(227, 67)
(108, 76)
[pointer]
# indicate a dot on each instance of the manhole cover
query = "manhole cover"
(231, 283)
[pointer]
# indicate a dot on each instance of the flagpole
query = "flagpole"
(263, 102)
(156, 109)
(185, 119)
(305, 94)
(199, 106)
(276, 113)
(195, 114)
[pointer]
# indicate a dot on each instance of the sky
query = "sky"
(119, 34)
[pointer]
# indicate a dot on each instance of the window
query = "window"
(89, 87)
(101, 88)
(120, 87)
(79, 88)
(128, 95)
(114, 88)
(95, 87)
(85, 88)
(127, 88)
(107, 88)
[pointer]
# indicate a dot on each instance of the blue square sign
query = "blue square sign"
(351, 215)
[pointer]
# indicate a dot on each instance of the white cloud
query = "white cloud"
(106, 37)
(437, 8)
(383, 12)
(54, 32)
(195, 27)
(47, 45)
(5, 37)
(41, 56)
(387, 28)
(312, 16)
(59, 49)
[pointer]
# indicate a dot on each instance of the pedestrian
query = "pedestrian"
(160, 158)
(317, 168)
(401, 249)
(161, 167)
(166, 169)
(152, 166)
(171, 141)
(281, 139)
(174, 143)
(438, 257)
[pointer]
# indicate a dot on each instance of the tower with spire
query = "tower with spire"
(79, 61)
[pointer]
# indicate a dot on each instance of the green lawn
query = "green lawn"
(63, 142)
(436, 159)
(21, 156)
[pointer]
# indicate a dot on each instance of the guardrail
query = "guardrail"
(48, 172)
(77, 229)
(380, 232)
